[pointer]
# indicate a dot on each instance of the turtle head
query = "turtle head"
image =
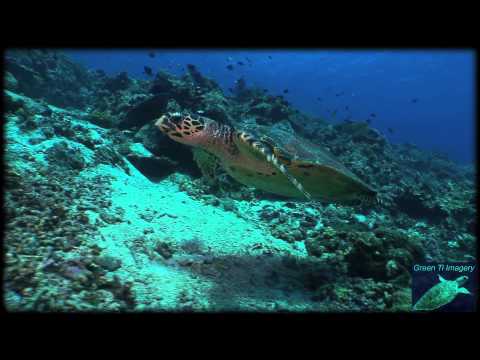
(183, 128)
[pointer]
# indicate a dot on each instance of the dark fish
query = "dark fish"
(319, 99)
(229, 67)
(368, 121)
(230, 89)
(340, 93)
(414, 100)
(240, 63)
(346, 107)
(148, 70)
(248, 59)
(373, 115)
(151, 54)
(192, 68)
(269, 57)
(390, 130)
(285, 91)
(265, 90)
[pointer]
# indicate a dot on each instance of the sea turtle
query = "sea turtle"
(441, 294)
(276, 161)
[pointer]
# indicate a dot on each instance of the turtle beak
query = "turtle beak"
(169, 123)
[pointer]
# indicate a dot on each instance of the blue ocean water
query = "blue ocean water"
(110, 208)
(420, 97)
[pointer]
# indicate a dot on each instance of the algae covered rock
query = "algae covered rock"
(119, 82)
(62, 154)
(103, 119)
(50, 75)
(144, 112)
(382, 254)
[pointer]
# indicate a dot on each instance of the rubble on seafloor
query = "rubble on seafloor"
(104, 212)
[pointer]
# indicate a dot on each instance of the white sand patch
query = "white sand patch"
(171, 214)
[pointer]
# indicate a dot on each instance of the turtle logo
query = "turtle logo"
(441, 294)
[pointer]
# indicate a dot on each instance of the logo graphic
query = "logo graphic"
(444, 287)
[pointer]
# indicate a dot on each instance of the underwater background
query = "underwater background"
(426, 97)
(105, 212)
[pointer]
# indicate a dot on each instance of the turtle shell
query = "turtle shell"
(439, 295)
(311, 165)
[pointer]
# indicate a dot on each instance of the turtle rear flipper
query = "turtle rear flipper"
(464, 291)
(248, 144)
(325, 181)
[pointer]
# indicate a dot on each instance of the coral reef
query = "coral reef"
(96, 197)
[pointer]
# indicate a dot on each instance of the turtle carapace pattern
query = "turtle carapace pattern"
(278, 162)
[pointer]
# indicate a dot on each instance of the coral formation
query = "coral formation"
(104, 212)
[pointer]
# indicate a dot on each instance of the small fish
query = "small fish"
(230, 89)
(368, 121)
(414, 100)
(151, 54)
(285, 91)
(192, 68)
(229, 67)
(319, 99)
(229, 58)
(373, 115)
(265, 90)
(390, 130)
(269, 57)
(148, 70)
(240, 63)
(346, 107)
(248, 59)
(339, 94)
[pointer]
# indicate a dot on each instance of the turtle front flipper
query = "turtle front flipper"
(207, 163)
(262, 150)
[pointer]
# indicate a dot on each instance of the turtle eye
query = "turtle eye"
(176, 118)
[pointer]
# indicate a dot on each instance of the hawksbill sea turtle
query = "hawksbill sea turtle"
(277, 161)
(441, 294)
